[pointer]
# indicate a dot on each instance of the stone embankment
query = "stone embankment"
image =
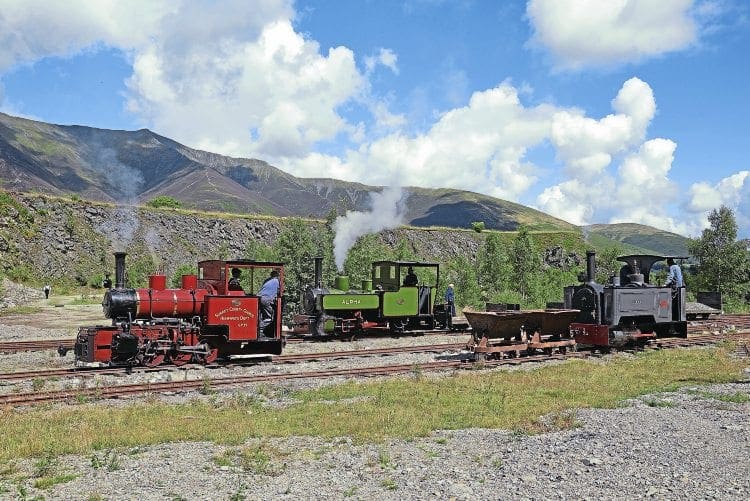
(45, 238)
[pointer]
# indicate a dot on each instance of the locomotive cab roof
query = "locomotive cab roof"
(415, 264)
(642, 263)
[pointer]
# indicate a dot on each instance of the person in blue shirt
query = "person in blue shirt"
(674, 277)
(268, 292)
(450, 300)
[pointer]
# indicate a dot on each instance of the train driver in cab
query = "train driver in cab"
(410, 279)
(234, 282)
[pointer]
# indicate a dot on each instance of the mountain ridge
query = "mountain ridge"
(122, 166)
(116, 165)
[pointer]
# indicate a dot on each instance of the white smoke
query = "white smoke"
(124, 183)
(387, 210)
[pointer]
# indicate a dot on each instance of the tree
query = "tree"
(477, 226)
(524, 263)
(295, 247)
(722, 260)
(607, 264)
(460, 272)
(492, 264)
(182, 269)
(358, 264)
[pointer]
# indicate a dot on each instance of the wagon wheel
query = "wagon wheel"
(152, 360)
(181, 358)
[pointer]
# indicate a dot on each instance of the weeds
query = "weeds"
(389, 484)
(384, 459)
(37, 384)
(734, 398)
(206, 388)
(47, 482)
(110, 459)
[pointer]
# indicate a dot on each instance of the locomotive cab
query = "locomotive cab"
(628, 309)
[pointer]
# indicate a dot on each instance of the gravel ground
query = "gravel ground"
(668, 446)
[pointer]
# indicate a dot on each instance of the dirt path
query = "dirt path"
(58, 312)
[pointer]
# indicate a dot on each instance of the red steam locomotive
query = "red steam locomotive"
(217, 313)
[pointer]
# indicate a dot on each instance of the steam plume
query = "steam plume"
(387, 210)
(125, 183)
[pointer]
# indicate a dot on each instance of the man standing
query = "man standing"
(46, 290)
(268, 292)
(450, 300)
(674, 277)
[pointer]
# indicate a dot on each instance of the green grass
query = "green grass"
(20, 310)
(522, 401)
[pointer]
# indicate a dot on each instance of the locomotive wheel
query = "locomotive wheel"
(210, 357)
(153, 360)
(180, 359)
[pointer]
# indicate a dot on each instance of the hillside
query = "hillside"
(636, 238)
(136, 166)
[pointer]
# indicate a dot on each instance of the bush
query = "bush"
(164, 201)
(477, 226)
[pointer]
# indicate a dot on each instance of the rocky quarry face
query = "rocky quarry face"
(46, 239)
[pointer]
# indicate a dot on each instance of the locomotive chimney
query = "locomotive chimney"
(120, 270)
(590, 266)
(318, 272)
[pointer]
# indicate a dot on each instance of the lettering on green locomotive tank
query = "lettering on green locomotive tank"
(349, 302)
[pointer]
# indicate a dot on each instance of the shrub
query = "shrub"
(477, 226)
(164, 201)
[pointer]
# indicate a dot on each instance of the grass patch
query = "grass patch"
(20, 310)
(734, 398)
(523, 401)
(47, 482)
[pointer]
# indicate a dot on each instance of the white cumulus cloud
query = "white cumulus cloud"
(581, 33)
(732, 191)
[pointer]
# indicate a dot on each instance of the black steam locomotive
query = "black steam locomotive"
(627, 310)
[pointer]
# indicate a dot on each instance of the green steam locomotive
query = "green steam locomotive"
(398, 298)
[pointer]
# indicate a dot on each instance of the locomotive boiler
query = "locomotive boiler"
(217, 312)
(627, 310)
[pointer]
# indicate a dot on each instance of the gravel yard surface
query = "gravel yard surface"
(688, 446)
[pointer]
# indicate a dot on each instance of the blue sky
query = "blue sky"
(595, 112)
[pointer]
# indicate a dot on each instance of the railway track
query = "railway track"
(280, 359)
(226, 382)
(740, 322)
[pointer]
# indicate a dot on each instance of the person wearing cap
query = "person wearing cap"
(449, 299)
(234, 282)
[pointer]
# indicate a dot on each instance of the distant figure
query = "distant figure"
(450, 300)
(268, 292)
(674, 277)
(234, 282)
(410, 279)
(46, 290)
(107, 283)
